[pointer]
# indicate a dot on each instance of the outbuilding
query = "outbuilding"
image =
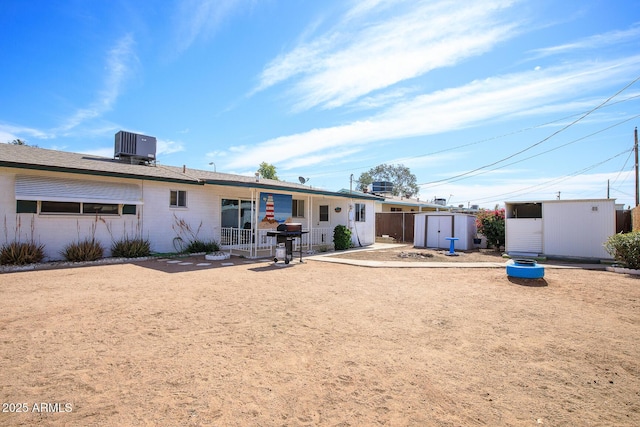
(431, 230)
(560, 228)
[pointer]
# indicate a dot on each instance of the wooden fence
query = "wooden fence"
(398, 225)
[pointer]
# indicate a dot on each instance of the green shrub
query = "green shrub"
(625, 248)
(341, 238)
(131, 248)
(491, 225)
(18, 253)
(85, 250)
(196, 246)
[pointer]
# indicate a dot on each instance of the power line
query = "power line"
(553, 181)
(539, 142)
(465, 176)
(493, 138)
(622, 169)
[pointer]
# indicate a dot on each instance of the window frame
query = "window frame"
(52, 207)
(26, 206)
(48, 207)
(129, 209)
(297, 208)
(323, 214)
(360, 212)
(178, 199)
(110, 206)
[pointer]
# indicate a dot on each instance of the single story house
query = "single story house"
(56, 198)
(560, 228)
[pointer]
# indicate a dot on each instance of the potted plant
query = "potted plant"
(477, 239)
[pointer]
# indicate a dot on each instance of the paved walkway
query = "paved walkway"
(334, 257)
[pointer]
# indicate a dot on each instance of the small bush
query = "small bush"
(85, 250)
(625, 248)
(18, 253)
(197, 246)
(341, 237)
(131, 248)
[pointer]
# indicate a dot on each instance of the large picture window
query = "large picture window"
(85, 208)
(236, 213)
(59, 207)
(99, 209)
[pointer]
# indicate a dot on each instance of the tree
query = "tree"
(404, 182)
(268, 171)
(19, 141)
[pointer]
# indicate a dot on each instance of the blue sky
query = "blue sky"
(487, 102)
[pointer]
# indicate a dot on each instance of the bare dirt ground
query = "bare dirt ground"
(153, 343)
(410, 254)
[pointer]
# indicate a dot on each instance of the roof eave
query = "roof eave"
(94, 172)
(263, 186)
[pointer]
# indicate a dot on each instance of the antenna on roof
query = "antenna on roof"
(302, 180)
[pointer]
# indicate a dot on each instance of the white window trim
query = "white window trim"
(178, 205)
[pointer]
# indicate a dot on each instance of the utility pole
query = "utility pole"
(635, 149)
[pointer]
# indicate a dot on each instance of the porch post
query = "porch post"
(253, 239)
(310, 242)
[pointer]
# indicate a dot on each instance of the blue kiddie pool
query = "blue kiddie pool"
(525, 269)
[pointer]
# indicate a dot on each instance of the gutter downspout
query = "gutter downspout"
(310, 242)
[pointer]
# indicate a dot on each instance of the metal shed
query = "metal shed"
(561, 228)
(431, 230)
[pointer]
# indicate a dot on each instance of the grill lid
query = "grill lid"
(290, 227)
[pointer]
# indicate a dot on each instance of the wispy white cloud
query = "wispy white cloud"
(10, 132)
(496, 98)
(598, 41)
(201, 19)
(166, 147)
(368, 50)
(118, 69)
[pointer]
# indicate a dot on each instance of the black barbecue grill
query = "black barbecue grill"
(285, 234)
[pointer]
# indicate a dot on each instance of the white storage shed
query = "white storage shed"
(560, 228)
(431, 230)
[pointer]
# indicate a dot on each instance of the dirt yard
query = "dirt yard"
(257, 344)
(410, 254)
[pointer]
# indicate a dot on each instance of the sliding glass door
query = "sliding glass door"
(235, 216)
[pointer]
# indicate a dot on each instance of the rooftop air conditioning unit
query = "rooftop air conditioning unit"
(135, 148)
(382, 187)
